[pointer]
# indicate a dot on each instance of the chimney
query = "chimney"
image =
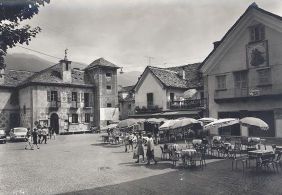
(183, 73)
(2, 75)
(66, 69)
(216, 44)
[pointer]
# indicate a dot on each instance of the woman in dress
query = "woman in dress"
(140, 147)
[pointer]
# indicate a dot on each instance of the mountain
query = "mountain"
(128, 78)
(33, 63)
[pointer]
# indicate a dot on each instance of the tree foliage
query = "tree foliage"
(12, 13)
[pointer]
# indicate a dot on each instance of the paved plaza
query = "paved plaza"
(82, 164)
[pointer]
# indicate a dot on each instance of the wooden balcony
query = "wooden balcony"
(186, 104)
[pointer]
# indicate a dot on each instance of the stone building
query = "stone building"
(62, 97)
(242, 75)
(126, 102)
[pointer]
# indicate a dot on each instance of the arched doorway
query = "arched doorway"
(54, 122)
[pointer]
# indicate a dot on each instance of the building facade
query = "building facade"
(66, 99)
(126, 102)
(170, 92)
(242, 75)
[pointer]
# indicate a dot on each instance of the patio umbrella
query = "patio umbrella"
(111, 126)
(207, 120)
(167, 125)
(127, 123)
(252, 121)
(183, 122)
(222, 123)
(155, 120)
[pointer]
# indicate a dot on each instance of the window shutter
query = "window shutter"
(82, 97)
(91, 118)
(59, 96)
(70, 119)
(91, 99)
(83, 118)
(48, 96)
(78, 96)
(69, 97)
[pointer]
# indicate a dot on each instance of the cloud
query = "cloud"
(172, 31)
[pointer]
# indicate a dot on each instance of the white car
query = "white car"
(2, 136)
(18, 133)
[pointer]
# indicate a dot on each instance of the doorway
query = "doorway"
(54, 122)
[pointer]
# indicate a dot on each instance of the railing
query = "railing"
(186, 104)
(74, 104)
(255, 91)
(148, 109)
(54, 104)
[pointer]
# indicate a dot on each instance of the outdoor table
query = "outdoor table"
(257, 154)
(196, 141)
(278, 148)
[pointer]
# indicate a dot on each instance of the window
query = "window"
(67, 66)
(257, 33)
(109, 87)
(24, 109)
(74, 118)
(221, 82)
(108, 74)
(74, 96)
(87, 118)
(54, 96)
(241, 80)
(86, 100)
(150, 99)
(109, 105)
(171, 97)
(264, 76)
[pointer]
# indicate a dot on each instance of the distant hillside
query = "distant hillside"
(128, 78)
(33, 63)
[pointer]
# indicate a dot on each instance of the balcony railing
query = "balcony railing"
(256, 91)
(54, 104)
(74, 104)
(186, 104)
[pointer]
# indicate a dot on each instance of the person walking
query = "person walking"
(130, 141)
(50, 132)
(34, 137)
(28, 140)
(44, 135)
(140, 147)
(53, 133)
(150, 149)
(39, 133)
(126, 142)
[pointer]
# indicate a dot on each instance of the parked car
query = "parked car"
(2, 136)
(18, 134)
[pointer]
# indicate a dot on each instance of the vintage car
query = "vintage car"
(18, 134)
(2, 136)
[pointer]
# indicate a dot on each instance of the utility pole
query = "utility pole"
(149, 58)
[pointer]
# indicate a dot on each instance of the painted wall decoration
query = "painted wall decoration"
(257, 54)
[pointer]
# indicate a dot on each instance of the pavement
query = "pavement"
(82, 164)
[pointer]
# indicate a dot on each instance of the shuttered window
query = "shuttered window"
(87, 118)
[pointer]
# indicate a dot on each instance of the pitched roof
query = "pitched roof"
(126, 89)
(52, 75)
(15, 77)
(101, 62)
(253, 6)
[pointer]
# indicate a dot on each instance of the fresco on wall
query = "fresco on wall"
(257, 54)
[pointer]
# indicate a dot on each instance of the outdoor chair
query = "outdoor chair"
(242, 159)
(236, 150)
(277, 160)
(265, 161)
(174, 157)
(165, 153)
(197, 157)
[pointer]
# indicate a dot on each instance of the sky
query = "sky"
(127, 32)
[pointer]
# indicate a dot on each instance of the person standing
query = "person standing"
(34, 137)
(39, 133)
(140, 147)
(126, 142)
(53, 133)
(130, 141)
(28, 140)
(50, 132)
(44, 135)
(150, 149)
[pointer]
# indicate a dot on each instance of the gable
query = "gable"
(236, 39)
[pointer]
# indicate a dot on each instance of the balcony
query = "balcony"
(54, 105)
(87, 105)
(74, 105)
(259, 91)
(148, 109)
(186, 104)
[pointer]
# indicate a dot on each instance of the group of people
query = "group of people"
(140, 148)
(38, 135)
